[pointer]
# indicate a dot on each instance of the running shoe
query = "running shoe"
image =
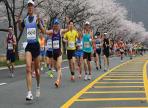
(72, 78)
(29, 97)
(86, 77)
(57, 84)
(89, 77)
(38, 92)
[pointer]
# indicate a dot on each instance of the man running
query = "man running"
(98, 44)
(56, 34)
(87, 49)
(10, 43)
(42, 49)
(79, 54)
(49, 56)
(70, 38)
(106, 53)
(32, 51)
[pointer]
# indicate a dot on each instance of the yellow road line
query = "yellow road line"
(126, 73)
(110, 99)
(75, 97)
(145, 79)
(124, 76)
(119, 82)
(110, 92)
(121, 79)
(118, 87)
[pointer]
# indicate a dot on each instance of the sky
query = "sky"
(137, 10)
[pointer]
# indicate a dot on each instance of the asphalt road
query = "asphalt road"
(13, 92)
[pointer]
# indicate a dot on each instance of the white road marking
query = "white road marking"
(2, 84)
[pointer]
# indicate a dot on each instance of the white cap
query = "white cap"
(30, 1)
(105, 33)
(87, 23)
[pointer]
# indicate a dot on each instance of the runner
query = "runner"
(106, 47)
(98, 43)
(87, 49)
(122, 48)
(32, 51)
(70, 38)
(10, 44)
(56, 34)
(41, 40)
(79, 54)
(49, 56)
(130, 49)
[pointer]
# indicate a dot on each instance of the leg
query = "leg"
(37, 70)
(28, 57)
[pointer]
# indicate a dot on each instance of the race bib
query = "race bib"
(31, 33)
(98, 45)
(10, 46)
(79, 45)
(71, 44)
(56, 44)
(49, 44)
(86, 44)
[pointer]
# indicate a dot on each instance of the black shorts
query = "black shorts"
(70, 54)
(10, 56)
(106, 52)
(57, 54)
(94, 54)
(49, 54)
(34, 49)
(98, 51)
(87, 56)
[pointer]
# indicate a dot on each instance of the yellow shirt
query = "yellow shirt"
(71, 36)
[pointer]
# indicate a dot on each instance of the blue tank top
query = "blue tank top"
(49, 43)
(31, 29)
(56, 41)
(87, 43)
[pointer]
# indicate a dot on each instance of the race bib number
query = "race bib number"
(86, 44)
(71, 44)
(10, 46)
(49, 44)
(31, 33)
(79, 45)
(56, 44)
(98, 45)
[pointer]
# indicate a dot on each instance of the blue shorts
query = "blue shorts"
(42, 53)
(79, 53)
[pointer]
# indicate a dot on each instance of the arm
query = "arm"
(14, 43)
(20, 23)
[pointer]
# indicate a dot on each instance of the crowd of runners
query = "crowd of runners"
(44, 49)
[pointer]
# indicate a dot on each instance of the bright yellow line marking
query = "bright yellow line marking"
(126, 73)
(124, 76)
(75, 97)
(121, 79)
(110, 92)
(145, 79)
(118, 87)
(110, 99)
(119, 82)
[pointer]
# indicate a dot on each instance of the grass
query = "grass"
(21, 62)
(17, 62)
